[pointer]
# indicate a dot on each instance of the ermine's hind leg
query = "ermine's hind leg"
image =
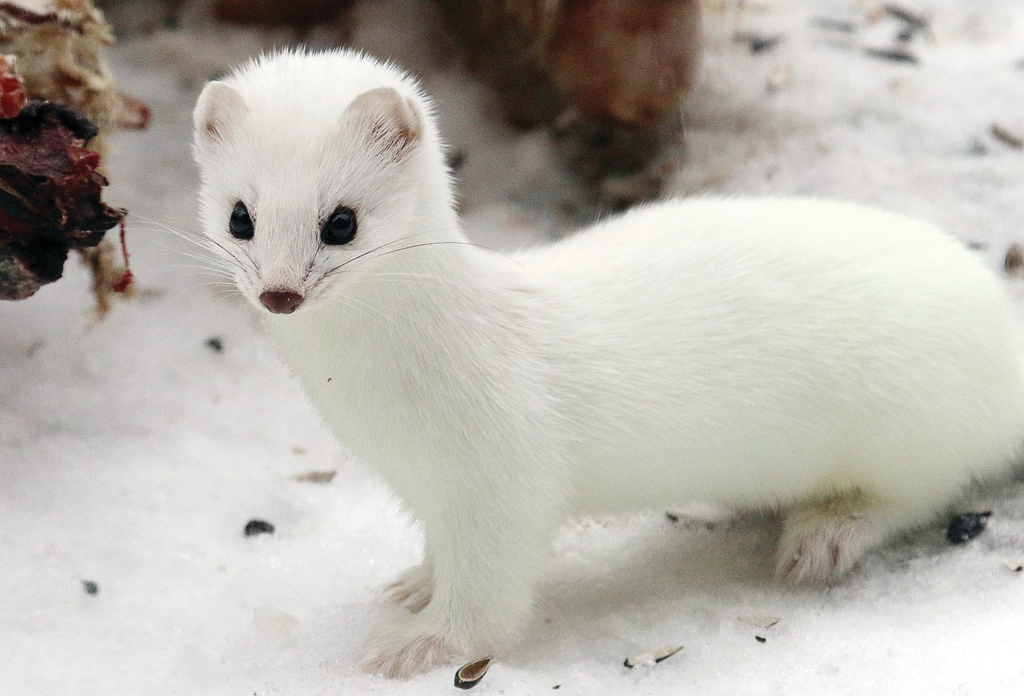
(822, 540)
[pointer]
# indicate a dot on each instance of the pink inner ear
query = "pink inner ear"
(392, 119)
(394, 137)
(221, 106)
(211, 129)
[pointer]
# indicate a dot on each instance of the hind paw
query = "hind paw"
(820, 545)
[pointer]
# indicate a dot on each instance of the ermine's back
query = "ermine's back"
(830, 317)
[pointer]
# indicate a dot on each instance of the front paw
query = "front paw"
(412, 589)
(406, 647)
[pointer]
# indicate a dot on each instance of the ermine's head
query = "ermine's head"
(308, 162)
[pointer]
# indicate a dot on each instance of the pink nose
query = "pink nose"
(281, 302)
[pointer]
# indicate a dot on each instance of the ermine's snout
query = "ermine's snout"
(281, 302)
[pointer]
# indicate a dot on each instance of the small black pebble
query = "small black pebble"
(254, 527)
(966, 526)
(760, 639)
(90, 587)
(672, 517)
(556, 686)
(215, 344)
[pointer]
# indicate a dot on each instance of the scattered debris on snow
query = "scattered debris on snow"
(317, 476)
(257, 527)
(470, 674)
(966, 526)
(653, 658)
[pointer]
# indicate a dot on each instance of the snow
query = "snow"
(132, 454)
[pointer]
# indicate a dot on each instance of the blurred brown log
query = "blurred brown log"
(624, 61)
(297, 13)
(608, 75)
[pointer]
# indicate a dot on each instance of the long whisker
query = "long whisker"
(367, 310)
(406, 248)
(240, 256)
(356, 258)
(209, 263)
(321, 247)
(425, 281)
(427, 244)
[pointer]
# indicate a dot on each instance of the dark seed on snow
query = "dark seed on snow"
(316, 476)
(470, 674)
(894, 54)
(254, 527)
(905, 15)
(1006, 137)
(966, 526)
(906, 34)
(758, 43)
(215, 344)
(654, 658)
(672, 517)
(834, 24)
(760, 639)
(665, 653)
(90, 587)
(1014, 260)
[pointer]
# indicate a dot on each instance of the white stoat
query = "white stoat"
(854, 369)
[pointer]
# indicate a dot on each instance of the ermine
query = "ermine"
(855, 370)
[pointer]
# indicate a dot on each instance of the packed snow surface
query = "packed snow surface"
(133, 452)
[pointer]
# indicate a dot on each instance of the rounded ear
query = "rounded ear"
(219, 108)
(388, 119)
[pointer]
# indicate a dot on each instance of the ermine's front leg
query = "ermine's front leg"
(413, 588)
(487, 556)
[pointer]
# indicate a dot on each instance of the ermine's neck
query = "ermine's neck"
(425, 331)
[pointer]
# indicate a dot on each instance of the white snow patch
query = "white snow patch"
(132, 455)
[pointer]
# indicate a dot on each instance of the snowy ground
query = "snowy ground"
(132, 453)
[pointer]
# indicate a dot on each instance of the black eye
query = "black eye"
(340, 227)
(240, 224)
